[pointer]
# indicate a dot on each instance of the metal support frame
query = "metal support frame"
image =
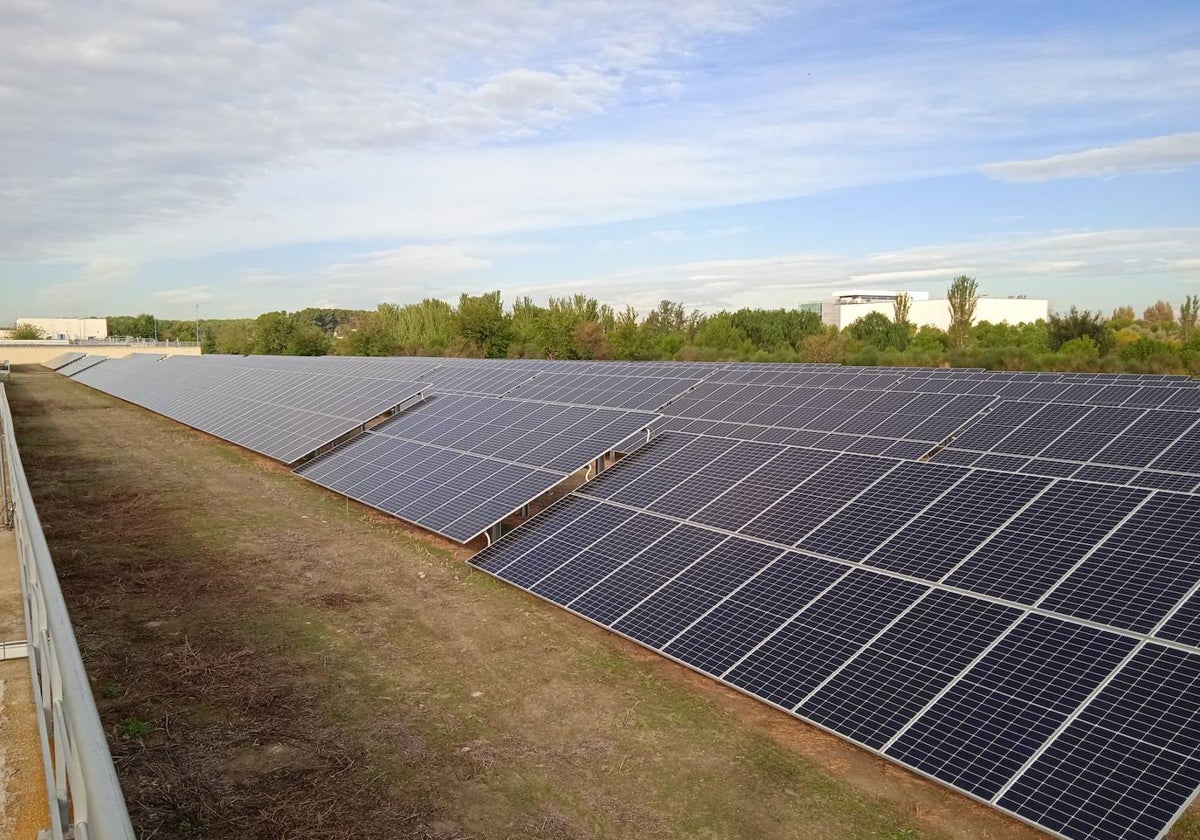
(85, 796)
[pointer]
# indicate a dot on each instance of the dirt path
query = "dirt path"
(272, 662)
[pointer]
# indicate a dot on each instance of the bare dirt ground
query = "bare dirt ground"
(271, 661)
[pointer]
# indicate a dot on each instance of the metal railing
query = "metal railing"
(86, 802)
(131, 341)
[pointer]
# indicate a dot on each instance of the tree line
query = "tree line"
(1162, 340)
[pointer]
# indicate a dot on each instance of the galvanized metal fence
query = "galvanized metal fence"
(85, 798)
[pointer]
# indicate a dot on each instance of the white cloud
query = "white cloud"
(186, 296)
(669, 235)
(179, 130)
(257, 277)
(132, 116)
(723, 232)
(99, 280)
(1154, 154)
(407, 262)
(1038, 265)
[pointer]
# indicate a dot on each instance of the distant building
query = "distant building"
(848, 307)
(69, 329)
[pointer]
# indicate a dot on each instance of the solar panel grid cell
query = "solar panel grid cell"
(880, 690)
(1045, 540)
(819, 496)
(793, 661)
(853, 532)
(992, 720)
(693, 591)
(1140, 571)
(1128, 763)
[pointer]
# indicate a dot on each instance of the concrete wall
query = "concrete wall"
(76, 329)
(34, 353)
(936, 313)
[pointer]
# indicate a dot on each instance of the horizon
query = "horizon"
(728, 155)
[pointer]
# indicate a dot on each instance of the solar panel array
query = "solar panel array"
(989, 577)
(1025, 636)
(461, 463)
(284, 415)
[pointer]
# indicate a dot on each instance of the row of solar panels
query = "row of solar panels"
(1028, 639)
(456, 464)
(986, 576)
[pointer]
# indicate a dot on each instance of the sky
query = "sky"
(241, 157)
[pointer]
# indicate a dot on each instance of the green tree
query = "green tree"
(930, 338)
(1031, 337)
(1081, 347)
(28, 332)
(591, 341)
(1062, 329)
(901, 308)
(481, 322)
(1122, 317)
(133, 326)
(374, 333)
(272, 333)
(720, 332)
(1188, 313)
(628, 339)
(963, 297)
(772, 330)
(235, 337)
(876, 330)
(827, 346)
(307, 339)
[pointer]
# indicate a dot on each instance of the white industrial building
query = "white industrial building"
(69, 329)
(848, 307)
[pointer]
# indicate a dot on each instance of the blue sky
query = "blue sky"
(162, 155)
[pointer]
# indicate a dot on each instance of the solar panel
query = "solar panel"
(62, 359)
(79, 365)
(878, 691)
(283, 415)
(955, 676)
(981, 730)
(1127, 765)
(491, 457)
(612, 390)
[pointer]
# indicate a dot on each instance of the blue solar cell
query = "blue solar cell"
(1155, 480)
(878, 512)
(1108, 475)
(694, 591)
(1045, 540)
(1184, 625)
(956, 524)
(1051, 469)
(1111, 774)
(1141, 570)
(796, 659)
(804, 508)
(762, 488)
(527, 568)
(1181, 456)
(877, 693)
(989, 723)
(637, 534)
(762, 605)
